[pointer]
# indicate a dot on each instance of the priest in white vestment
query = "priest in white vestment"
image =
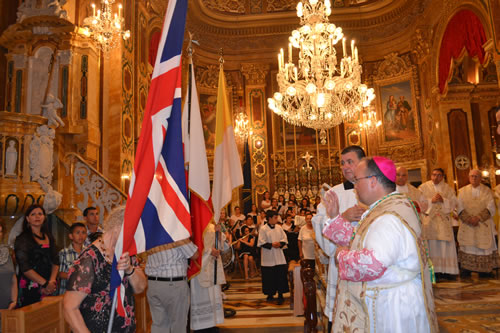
(206, 296)
(476, 234)
(350, 157)
(402, 186)
(437, 226)
(384, 277)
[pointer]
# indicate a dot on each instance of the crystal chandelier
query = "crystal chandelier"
(368, 121)
(242, 128)
(106, 27)
(320, 92)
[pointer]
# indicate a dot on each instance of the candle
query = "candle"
(120, 10)
(343, 47)
(279, 62)
(352, 48)
(356, 53)
(289, 52)
(93, 10)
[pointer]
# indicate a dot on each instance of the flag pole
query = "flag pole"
(112, 314)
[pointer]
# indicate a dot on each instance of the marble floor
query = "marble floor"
(466, 306)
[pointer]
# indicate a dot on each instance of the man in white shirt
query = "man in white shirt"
(349, 208)
(402, 186)
(476, 234)
(437, 226)
(272, 239)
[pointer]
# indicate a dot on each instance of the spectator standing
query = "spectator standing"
(8, 279)
(36, 255)
(77, 235)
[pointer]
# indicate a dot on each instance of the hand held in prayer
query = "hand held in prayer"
(331, 203)
(217, 227)
(474, 221)
(215, 253)
(437, 198)
(276, 245)
(353, 214)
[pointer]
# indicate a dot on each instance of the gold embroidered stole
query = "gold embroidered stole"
(351, 312)
(479, 236)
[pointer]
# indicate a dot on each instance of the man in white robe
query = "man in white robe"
(350, 157)
(402, 186)
(272, 239)
(384, 278)
(437, 226)
(206, 296)
(476, 234)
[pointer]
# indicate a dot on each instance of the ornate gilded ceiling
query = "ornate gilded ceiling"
(256, 29)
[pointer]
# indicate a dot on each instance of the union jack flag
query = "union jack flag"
(157, 210)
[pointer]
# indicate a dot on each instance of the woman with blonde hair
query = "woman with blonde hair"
(87, 302)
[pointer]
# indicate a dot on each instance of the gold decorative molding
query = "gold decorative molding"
(207, 77)
(225, 6)
(255, 74)
(393, 66)
(422, 42)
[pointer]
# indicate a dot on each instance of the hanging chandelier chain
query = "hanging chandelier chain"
(321, 91)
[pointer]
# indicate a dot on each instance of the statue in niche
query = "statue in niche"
(50, 111)
(11, 159)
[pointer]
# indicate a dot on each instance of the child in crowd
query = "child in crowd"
(77, 235)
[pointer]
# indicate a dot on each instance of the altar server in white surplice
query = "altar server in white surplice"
(437, 226)
(476, 235)
(349, 208)
(272, 239)
(206, 295)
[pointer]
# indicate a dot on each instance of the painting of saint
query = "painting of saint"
(208, 107)
(399, 115)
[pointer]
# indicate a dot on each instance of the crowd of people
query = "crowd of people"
(382, 236)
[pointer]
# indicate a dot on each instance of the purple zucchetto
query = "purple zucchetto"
(387, 167)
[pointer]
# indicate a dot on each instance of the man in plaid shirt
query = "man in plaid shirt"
(77, 235)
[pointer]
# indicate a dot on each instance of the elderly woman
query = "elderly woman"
(8, 280)
(87, 302)
(37, 257)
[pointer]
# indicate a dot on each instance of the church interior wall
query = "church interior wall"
(399, 43)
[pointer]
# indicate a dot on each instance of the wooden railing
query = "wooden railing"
(89, 188)
(47, 317)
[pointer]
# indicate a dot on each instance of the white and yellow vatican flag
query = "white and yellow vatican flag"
(227, 165)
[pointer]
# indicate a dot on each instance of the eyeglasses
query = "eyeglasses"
(355, 180)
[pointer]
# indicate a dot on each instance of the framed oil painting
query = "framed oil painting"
(398, 111)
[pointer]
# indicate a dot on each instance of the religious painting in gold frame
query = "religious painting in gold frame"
(397, 108)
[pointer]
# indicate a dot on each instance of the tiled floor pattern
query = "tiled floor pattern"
(463, 306)
(252, 309)
(468, 305)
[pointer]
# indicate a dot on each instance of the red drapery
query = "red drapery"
(464, 30)
(153, 47)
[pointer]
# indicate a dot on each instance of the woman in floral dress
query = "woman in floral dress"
(87, 302)
(37, 257)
